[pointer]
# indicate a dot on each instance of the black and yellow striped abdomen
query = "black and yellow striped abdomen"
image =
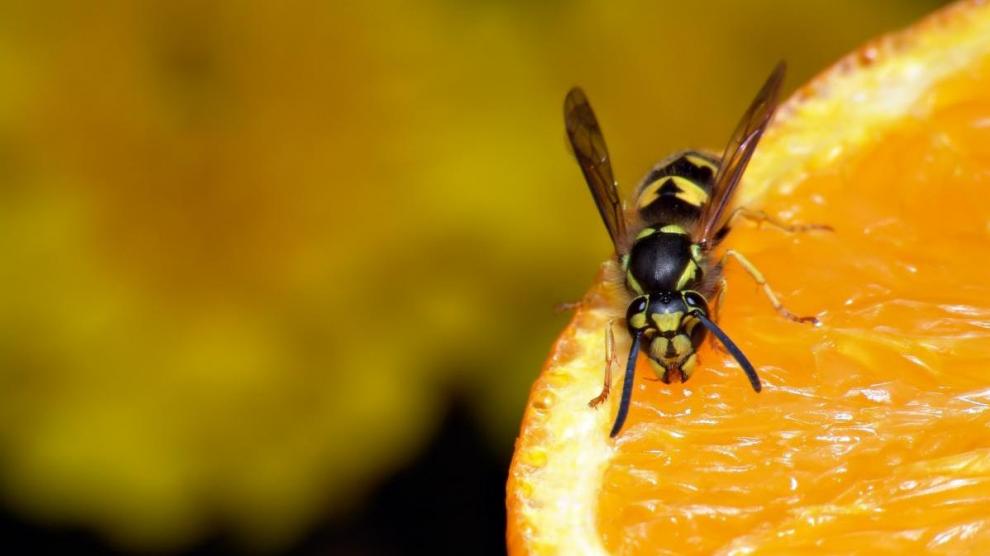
(675, 190)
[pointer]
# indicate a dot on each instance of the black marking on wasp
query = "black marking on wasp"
(664, 249)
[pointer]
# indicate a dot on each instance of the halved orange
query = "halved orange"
(872, 433)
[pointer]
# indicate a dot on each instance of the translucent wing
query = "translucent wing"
(592, 155)
(736, 157)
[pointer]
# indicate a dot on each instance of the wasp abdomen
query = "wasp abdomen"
(675, 190)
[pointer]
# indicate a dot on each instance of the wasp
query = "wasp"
(664, 246)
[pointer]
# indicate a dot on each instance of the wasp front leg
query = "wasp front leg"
(760, 217)
(567, 306)
(767, 291)
(609, 362)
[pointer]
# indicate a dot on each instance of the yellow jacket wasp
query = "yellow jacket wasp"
(664, 247)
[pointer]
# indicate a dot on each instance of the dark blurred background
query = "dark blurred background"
(277, 278)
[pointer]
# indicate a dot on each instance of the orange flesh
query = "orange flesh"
(872, 433)
(873, 430)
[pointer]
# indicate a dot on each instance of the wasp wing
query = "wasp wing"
(592, 155)
(736, 157)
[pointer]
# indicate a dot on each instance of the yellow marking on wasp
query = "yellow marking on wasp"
(650, 193)
(673, 229)
(625, 262)
(658, 348)
(702, 163)
(682, 344)
(658, 369)
(633, 284)
(638, 321)
(696, 252)
(689, 192)
(667, 322)
(647, 232)
(690, 321)
(690, 271)
(688, 365)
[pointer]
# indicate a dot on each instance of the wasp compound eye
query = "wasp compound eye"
(694, 300)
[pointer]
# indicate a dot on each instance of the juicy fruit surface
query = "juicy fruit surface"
(873, 429)
(872, 433)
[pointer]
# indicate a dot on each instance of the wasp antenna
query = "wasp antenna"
(627, 384)
(733, 349)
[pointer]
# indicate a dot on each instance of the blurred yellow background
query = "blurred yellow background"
(250, 251)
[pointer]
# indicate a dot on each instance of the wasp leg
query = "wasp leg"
(762, 282)
(567, 306)
(717, 302)
(759, 217)
(716, 308)
(609, 362)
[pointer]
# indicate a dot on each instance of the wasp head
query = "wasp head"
(669, 323)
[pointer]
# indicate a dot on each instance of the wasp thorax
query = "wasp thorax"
(661, 259)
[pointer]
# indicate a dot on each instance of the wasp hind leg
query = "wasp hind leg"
(609, 363)
(759, 218)
(767, 291)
